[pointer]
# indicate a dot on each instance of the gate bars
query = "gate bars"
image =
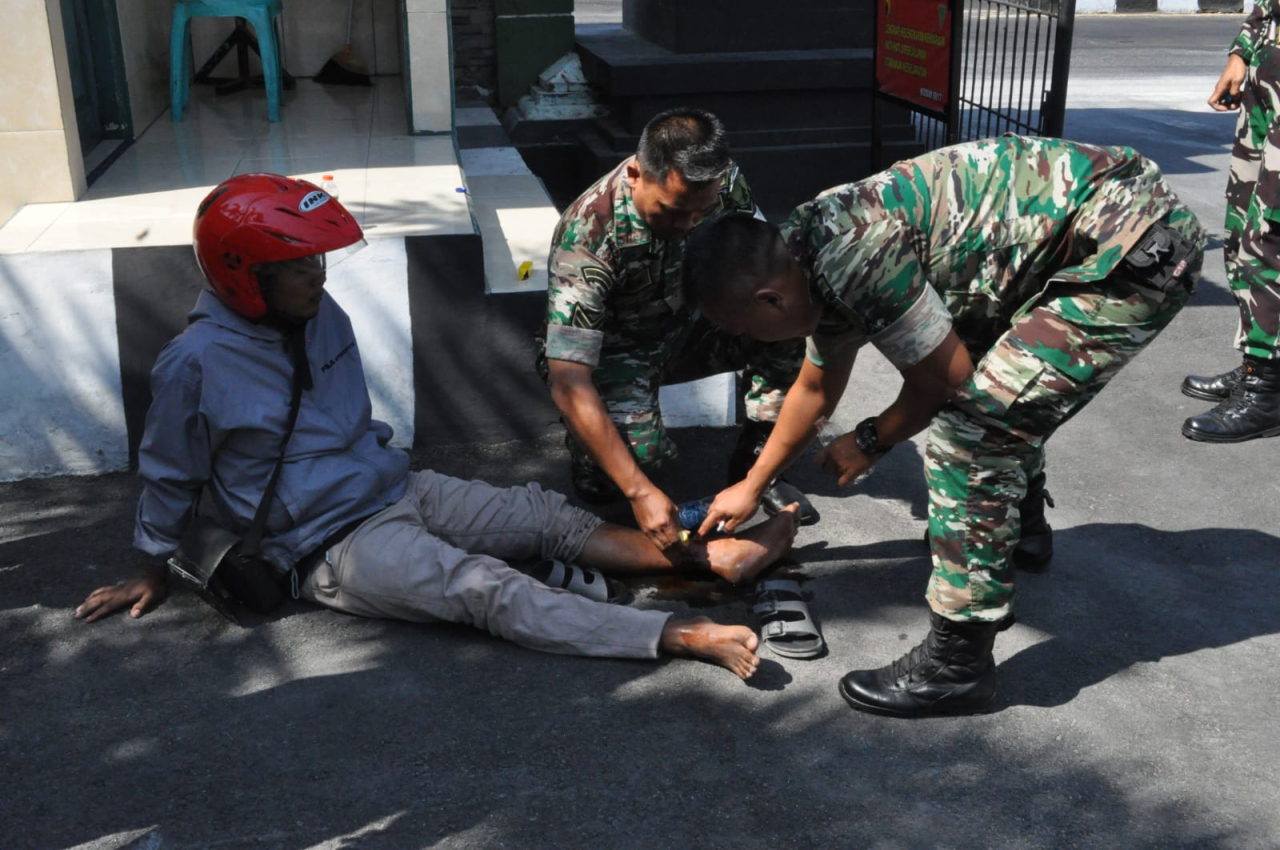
(1009, 66)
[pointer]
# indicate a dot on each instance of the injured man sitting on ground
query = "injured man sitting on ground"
(349, 525)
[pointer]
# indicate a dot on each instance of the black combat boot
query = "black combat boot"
(1035, 548)
(1251, 411)
(951, 672)
(780, 492)
(1213, 387)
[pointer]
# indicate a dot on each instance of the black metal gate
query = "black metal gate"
(1009, 66)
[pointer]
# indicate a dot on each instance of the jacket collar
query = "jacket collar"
(209, 307)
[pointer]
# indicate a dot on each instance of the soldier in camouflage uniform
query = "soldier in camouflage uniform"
(1248, 396)
(1048, 264)
(616, 329)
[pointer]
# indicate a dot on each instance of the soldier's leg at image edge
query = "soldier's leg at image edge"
(1252, 125)
(1252, 253)
(1248, 397)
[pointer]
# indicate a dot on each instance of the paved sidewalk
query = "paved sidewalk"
(1137, 701)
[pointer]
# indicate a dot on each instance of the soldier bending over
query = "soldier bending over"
(1049, 265)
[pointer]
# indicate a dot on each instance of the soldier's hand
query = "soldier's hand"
(1226, 94)
(732, 506)
(844, 460)
(142, 593)
(658, 517)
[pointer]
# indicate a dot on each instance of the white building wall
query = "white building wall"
(40, 159)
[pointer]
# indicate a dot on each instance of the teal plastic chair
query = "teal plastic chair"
(261, 14)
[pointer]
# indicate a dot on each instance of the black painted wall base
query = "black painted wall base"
(473, 371)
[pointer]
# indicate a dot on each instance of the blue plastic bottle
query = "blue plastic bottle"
(693, 513)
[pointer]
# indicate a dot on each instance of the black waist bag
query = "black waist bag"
(224, 569)
(210, 560)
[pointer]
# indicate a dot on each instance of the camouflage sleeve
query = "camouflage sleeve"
(915, 334)
(578, 287)
(874, 271)
(1251, 34)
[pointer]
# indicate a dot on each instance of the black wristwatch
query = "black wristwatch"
(868, 438)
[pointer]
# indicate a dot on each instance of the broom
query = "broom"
(345, 68)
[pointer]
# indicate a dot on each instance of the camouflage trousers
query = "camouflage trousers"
(628, 382)
(1251, 251)
(984, 447)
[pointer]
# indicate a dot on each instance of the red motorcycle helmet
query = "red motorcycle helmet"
(265, 218)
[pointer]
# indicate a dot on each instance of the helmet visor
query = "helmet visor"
(333, 258)
(312, 262)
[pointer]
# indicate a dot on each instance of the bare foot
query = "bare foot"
(729, 646)
(740, 557)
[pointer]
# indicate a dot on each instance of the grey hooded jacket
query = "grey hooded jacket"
(221, 392)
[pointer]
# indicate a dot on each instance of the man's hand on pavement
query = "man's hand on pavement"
(732, 506)
(142, 593)
(1229, 85)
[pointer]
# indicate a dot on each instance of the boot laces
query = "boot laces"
(1241, 399)
(902, 669)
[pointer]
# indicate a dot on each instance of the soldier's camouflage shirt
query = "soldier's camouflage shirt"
(1258, 29)
(612, 286)
(965, 237)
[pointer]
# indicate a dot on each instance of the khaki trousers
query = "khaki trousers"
(440, 554)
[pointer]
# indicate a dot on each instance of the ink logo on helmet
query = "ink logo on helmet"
(313, 200)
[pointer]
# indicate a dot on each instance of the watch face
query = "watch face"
(868, 438)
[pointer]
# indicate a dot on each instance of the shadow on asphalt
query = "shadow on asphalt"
(1122, 594)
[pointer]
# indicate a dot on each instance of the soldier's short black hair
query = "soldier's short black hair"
(691, 141)
(727, 258)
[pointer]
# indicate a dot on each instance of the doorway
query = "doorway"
(98, 85)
